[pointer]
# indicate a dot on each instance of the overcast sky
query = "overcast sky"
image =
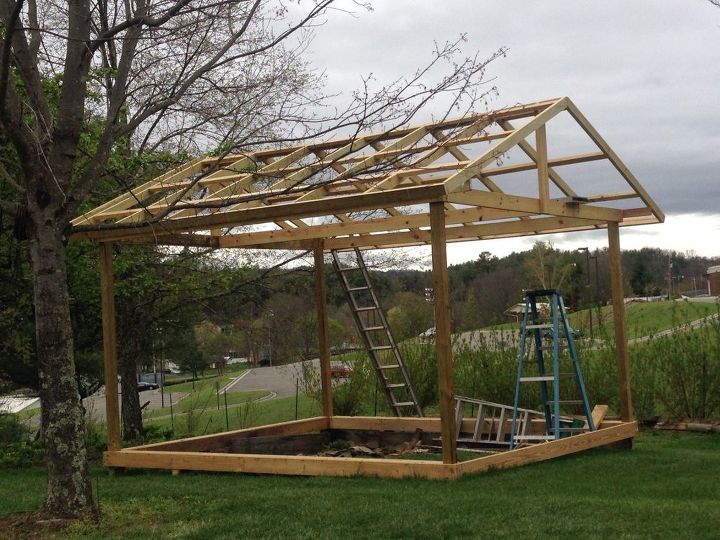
(645, 73)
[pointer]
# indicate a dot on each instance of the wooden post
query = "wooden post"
(443, 345)
(542, 167)
(618, 302)
(107, 294)
(323, 331)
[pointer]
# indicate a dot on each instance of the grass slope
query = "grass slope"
(665, 488)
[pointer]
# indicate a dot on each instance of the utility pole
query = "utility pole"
(586, 250)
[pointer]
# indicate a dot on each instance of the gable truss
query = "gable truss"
(373, 190)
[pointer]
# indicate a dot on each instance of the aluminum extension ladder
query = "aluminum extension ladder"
(553, 336)
(376, 336)
(491, 422)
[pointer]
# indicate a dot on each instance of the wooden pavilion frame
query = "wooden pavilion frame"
(430, 184)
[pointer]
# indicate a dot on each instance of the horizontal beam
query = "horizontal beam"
(531, 205)
(393, 223)
(284, 465)
(216, 440)
(322, 207)
(551, 449)
(483, 231)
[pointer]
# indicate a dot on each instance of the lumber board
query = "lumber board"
(542, 166)
(284, 465)
(323, 330)
(457, 180)
(109, 332)
(614, 159)
(530, 152)
(533, 205)
(468, 232)
(217, 440)
(256, 215)
(408, 221)
(618, 302)
(550, 450)
(139, 193)
(443, 334)
(598, 415)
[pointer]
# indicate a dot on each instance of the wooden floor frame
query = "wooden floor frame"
(200, 453)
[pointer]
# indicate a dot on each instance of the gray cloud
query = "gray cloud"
(645, 73)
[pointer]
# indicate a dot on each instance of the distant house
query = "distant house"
(518, 310)
(713, 279)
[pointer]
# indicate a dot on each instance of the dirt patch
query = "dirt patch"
(32, 525)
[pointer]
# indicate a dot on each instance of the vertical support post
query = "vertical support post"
(107, 295)
(542, 166)
(323, 330)
(618, 302)
(442, 331)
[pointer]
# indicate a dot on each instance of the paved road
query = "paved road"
(278, 379)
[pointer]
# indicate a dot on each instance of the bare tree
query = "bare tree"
(85, 81)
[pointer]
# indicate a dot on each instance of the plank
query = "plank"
(284, 465)
(323, 329)
(469, 232)
(219, 440)
(255, 215)
(109, 330)
(551, 449)
(131, 197)
(411, 221)
(614, 159)
(618, 302)
(443, 335)
(542, 167)
(533, 205)
(457, 181)
(598, 415)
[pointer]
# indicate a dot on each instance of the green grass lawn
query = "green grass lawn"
(642, 318)
(243, 413)
(664, 488)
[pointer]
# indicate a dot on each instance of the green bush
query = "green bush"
(11, 429)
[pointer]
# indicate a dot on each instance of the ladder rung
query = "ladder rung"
(404, 404)
(363, 288)
(534, 437)
(537, 379)
(350, 269)
(373, 328)
(381, 348)
(396, 385)
(389, 366)
(572, 429)
(537, 326)
(365, 308)
(575, 401)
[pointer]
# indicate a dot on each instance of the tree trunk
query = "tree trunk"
(131, 412)
(69, 492)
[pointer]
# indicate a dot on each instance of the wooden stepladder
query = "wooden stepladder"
(376, 336)
(553, 340)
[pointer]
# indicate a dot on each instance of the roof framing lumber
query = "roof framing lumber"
(374, 190)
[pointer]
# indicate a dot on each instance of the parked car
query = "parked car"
(340, 369)
(142, 386)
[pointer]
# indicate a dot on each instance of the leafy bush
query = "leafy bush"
(11, 429)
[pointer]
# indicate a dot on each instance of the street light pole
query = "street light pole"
(586, 250)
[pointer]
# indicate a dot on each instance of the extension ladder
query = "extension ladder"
(490, 427)
(376, 336)
(549, 336)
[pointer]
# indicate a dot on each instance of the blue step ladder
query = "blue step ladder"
(552, 339)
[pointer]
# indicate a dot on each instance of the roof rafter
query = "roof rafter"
(373, 190)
